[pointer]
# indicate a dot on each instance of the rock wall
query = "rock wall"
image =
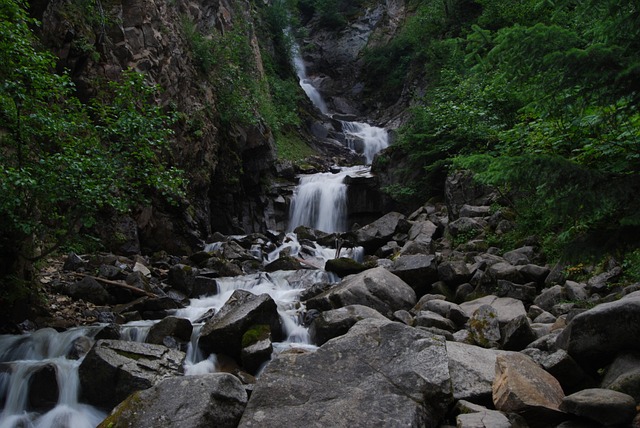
(225, 167)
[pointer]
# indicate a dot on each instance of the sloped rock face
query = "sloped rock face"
(381, 373)
(149, 37)
(183, 402)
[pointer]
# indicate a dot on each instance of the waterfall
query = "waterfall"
(306, 85)
(365, 139)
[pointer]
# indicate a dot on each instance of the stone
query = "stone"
(474, 211)
(564, 368)
(376, 288)
(344, 266)
(432, 319)
(523, 387)
(550, 297)
(283, 263)
(418, 270)
(484, 419)
(256, 352)
(376, 234)
(223, 333)
(534, 273)
(89, 290)
(423, 233)
(505, 271)
(524, 292)
(545, 318)
(74, 262)
(472, 370)
(337, 322)
(465, 227)
(623, 375)
(404, 317)
(484, 327)
(113, 369)
(599, 283)
(182, 278)
(601, 405)
(216, 399)
(505, 307)
(575, 291)
(380, 373)
(520, 256)
(43, 388)
(447, 309)
(454, 272)
(178, 328)
(517, 334)
(594, 337)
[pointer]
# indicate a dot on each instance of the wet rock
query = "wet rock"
(473, 370)
(178, 328)
(376, 234)
(376, 288)
(79, 348)
(111, 331)
(601, 405)
(523, 387)
(182, 277)
(223, 333)
(341, 389)
(43, 388)
(418, 270)
(113, 369)
(594, 337)
(283, 263)
(216, 399)
(256, 347)
(337, 322)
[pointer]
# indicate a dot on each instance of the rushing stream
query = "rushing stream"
(319, 202)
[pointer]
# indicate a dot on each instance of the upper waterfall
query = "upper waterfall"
(306, 85)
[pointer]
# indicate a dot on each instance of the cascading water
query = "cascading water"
(305, 84)
(365, 139)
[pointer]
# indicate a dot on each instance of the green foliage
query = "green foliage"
(61, 161)
(631, 266)
(333, 14)
(291, 147)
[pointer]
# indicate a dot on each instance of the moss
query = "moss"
(118, 417)
(255, 334)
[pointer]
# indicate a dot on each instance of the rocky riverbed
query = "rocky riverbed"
(431, 327)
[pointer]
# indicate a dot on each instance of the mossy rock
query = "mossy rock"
(255, 334)
(344, 266)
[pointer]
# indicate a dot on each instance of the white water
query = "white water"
(305, 83)
(373, 139)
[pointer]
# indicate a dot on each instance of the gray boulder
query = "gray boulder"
(336, 322)
(517, 334)
(418, 270)
(564, 368)
(534, 273)
(178, 328)
(623, 375)
(593, 338)
(376, 288)
(381, 373)
(506, 308)
(376, 234)
(454, 272)
(432, 319)
(423, 233)
(550, 297)
(505, 271)
(244, 310)
(202, 401)
(465, 227)
(472, 370)
(89, 290)
(113, 369)
(601, 405)
(484, 327)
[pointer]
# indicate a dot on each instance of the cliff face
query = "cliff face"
(225, 164)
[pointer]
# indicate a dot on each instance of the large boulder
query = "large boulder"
(244, 310)
(375, 234)
(506, 308)
(89, 290)
(336, 322)
(417, 270)
(593, 338)
(610, 408)
(113, 369)
(177, 328)
(202, 401)
(376, 288)
(472, 370)
(623, 375)
(423, 233)
(381, 373)
(521, 386)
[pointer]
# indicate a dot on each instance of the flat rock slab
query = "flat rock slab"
(381, 373)
(506, 308)
(522, 386)
(210, 400)
(601, 405)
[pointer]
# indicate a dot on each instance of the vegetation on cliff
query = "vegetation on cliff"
(63, 162)
(537, 98)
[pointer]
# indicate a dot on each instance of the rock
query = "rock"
(545, 318)
(524, 292)
(564, 368)
(113, 369)
(223, 333)
(283, 263)
(349, 381)
(43, 388)
(461, 189)
(550, 297)
(474, 211)
(465, 227)
(485, 419)
(182, 278)
(256, 348)
(79, 348)
(89, 290)
(74, 262)
(344, 266)
(484, 327)
(593, 338)
(623, 375)
(454, 273)
(523, 387)
(432, 319)
(517, 334)
(446, 309)
(376, 288)
(601, 405)
(505, 307)
(376, 234)
(423, 233)
(216, 399)
(178, 328)
(520, 256)
(404, 317)
(534, 273)
(601, 282)
(472, 370)
(504, 271)
(418, 270)
(337, 322)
